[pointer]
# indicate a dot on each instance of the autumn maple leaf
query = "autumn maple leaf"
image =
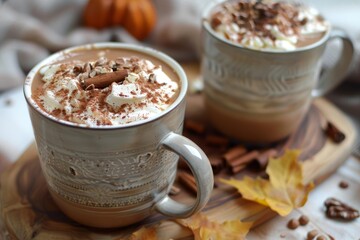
(284, 190)
(205, 229)
(144, 234)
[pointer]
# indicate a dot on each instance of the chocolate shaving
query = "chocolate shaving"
(254, 16)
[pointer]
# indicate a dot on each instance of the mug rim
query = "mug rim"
(206, 25)
(175, 66)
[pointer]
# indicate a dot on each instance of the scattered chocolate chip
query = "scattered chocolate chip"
(312, 234)
(336, 209)
(303, 220)
(293, 224)
(343, 184)
(282, 235)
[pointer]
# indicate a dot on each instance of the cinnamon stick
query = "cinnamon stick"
(182, 164)
(234, 153)
(188, 180)
(237, 169)
(216, 140)
(263, 159)
(106, 79)
(216, 164)
(194, 126)
(244, 159)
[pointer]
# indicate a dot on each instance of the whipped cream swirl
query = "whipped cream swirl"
(272, 25)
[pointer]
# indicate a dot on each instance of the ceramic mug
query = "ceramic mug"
(261, 96)
(117, 175)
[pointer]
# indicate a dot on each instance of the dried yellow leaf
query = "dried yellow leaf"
(205, 229)
(284, 190)
(144, 234)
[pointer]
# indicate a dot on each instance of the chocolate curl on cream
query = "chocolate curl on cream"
(105, 80)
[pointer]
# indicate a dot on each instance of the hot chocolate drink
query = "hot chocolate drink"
(268, 25)
(261, 66)
(107, 119)
(97, 87)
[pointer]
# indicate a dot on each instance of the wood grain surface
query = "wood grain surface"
(28, 212)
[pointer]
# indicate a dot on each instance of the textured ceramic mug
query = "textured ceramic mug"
(114, 176)
(262, 96)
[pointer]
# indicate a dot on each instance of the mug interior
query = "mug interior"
(106, 45)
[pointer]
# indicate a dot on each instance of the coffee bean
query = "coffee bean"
(334, 133)
(312, 234)
(343, 184)
(321, 237)
(331, 237)
(293, 224)
(303, 220)
(336, 209)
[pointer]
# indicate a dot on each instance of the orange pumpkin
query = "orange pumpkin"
(138, 17)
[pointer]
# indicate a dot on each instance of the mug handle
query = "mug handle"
(201, 169)
(333, 76)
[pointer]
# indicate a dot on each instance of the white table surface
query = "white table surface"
(15, 127)
(16, 135)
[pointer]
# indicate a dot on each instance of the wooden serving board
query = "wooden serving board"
(28, 212)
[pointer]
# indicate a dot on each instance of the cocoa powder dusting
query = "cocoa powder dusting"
(69, 97)
(254, 16)
(241, 20)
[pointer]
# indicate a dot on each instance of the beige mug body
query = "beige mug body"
(113, 176)
(261, 96)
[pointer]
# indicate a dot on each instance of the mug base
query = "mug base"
(99, 217)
